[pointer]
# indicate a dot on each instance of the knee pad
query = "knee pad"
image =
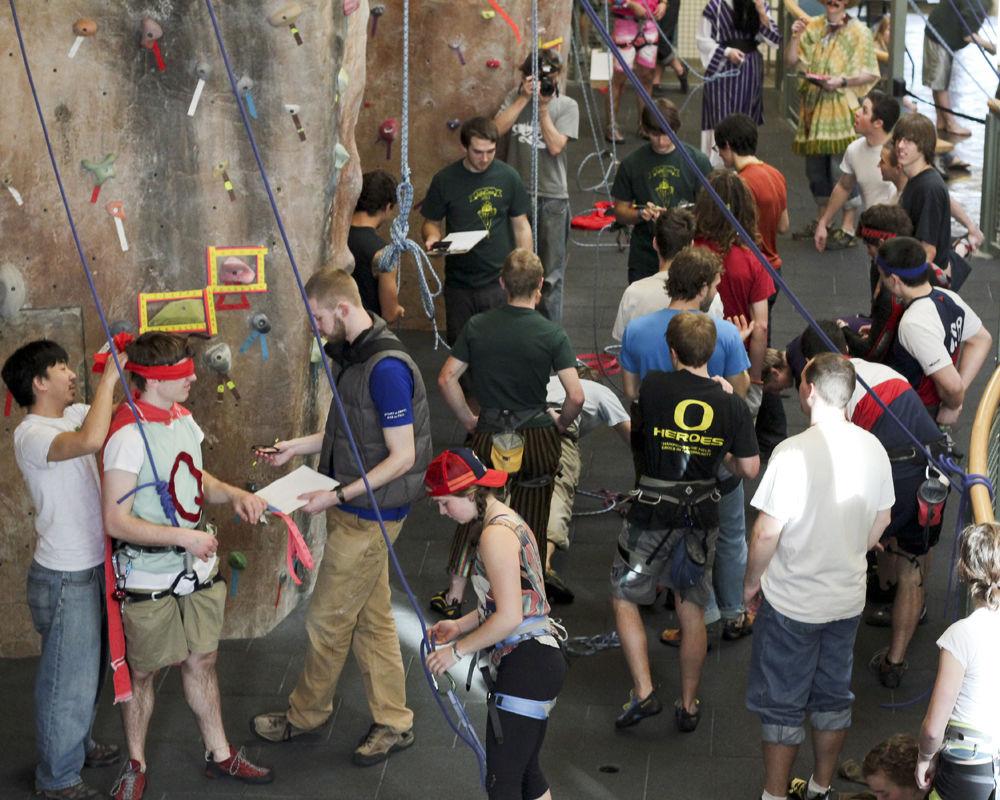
(787, 735)
(831, 720)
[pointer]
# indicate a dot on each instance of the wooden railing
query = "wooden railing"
(984, 449)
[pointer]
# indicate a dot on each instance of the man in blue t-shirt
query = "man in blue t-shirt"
(692, 284)
(386, 408)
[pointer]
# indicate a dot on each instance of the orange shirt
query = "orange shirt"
(767, 185)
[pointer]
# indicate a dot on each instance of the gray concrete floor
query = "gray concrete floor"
(584, 757)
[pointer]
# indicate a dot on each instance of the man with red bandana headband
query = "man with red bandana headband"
(167, 569)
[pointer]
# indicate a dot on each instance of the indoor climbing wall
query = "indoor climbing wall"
(176, 225)
(464, 59)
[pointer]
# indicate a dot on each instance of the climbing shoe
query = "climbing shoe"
(440, 604)
(636, 710)
(798, 789)
(685, 721)
(236, 766)
(376, 745)
(131, 784)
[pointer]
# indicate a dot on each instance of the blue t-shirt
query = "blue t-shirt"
(391, 387)
(644, 346)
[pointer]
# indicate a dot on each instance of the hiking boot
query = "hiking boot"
(78, 791)
(102, 755)
(131, 784)
(840, 240)
(684, 720)
(635, 710)
(738, 627)
(237, 766)
(806, 232)
(440, 604)
(376, 745)
(890, 674)
(556, 590)
(275, 727)
(798, 789)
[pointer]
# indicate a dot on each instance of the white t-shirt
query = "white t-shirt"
(825, 486)
(66, 494)
(645, 296)
(601, 406)
(922, 334)
(861, 160)
(975, 643)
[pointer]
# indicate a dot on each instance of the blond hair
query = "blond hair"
(521, 273)
(979, 564)
(328, 287)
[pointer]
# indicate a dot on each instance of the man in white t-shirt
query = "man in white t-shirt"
(873, 122)
(165, 560)
(673, 230)
(54, 446)
(601, 406)
(824, 501)
(941, 343)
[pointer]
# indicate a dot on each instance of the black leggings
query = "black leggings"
(963, 781)
(536, 672)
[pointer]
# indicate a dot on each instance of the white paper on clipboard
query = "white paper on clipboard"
(461, 242)
(283, 494)
(600, 66)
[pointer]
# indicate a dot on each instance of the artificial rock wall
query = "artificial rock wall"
(113, 98)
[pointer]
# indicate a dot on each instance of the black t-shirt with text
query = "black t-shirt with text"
(685, 425)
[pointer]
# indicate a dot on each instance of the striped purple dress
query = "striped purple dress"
(740, 91)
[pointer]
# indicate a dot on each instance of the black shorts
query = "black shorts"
(665, 44)
(905, 525)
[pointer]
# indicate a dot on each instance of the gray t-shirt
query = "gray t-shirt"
(565, 114)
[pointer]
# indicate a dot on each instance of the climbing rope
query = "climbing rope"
(536, 131)
(399, 231)
(610, 501)
(589, 645)
(464, 729)
(596, 129)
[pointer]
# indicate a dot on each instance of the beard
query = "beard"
(706, 304)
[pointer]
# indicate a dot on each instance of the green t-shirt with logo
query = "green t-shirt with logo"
(476, 201)
(663, 180)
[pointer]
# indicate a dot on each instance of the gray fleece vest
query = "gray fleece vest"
(356, 361)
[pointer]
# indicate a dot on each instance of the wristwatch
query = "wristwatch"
(340, 495)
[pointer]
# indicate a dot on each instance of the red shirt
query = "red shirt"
(767, 185)
(744, 280)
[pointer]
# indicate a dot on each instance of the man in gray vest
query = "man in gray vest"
(386, 405)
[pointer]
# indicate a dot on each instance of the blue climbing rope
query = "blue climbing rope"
(464, 729)
(748, 240)
(399, 231)
(161, 486)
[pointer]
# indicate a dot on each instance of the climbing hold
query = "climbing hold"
(83, 28)
(245, 87)
(377, 11)
(101, 170)
(260, 327)
(117, 211)
(454, 124)
(203, 70)
(350, 6)
(493, 63)
(8, 182)
(150, 40)
(236, 271)
(121, 326)
(219, 359)
(221, 170)
(387, 133)
(487, 13)
(237, 563)
(506, 18)
(340, 156)
(13, 292)
(456, 45)
(293, 109)
(343, 81)
(286, 14)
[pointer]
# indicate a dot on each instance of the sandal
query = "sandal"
(439, 603)
(614, 136)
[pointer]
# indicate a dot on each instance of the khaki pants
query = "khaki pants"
(563, 492)
(351, 609)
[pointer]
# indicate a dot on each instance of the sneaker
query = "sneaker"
(376, 745)
(102, 755)
(684, 720)
(131, 784)
(635, 710)
(237, 766)
(671, 637)
(78, 791)
(840, 240)
(807, 232)
(882, 617)
(890, 674)
(440, 604)
(798, 789)
(275, 727)
(738, 627)
(556, 591)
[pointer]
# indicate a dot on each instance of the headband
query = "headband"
(166, 372)
(903, 272)
(875, 233)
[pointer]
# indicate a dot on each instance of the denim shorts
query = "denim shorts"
(798, 668)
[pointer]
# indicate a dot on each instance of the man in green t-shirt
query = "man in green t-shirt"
(510, 352)
(650, 179)
(474, 194)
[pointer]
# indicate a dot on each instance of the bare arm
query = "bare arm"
(740, 382)
(624, 431)
(959, 213)
(763, 544)
(743, 467)
(388, 297)
(931, 251)
(626, 213)
(631, 382)
(453, 394)
(573, 404)
(974, 352)
(951, 390)
(248, 506)
(840, 195)
(758, 338)
(792, 51)
(91, 436)
(784, 223)
(881, 522)
(431, 231)
(947, 685)
(506, 117)
(522, 232)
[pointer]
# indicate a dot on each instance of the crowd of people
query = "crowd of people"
(119, 497)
